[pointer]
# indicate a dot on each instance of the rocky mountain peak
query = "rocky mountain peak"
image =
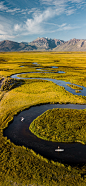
(44, 44)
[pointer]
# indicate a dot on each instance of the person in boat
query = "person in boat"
(22, 119)
(59, 149)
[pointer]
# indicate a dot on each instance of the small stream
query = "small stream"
(58, 82)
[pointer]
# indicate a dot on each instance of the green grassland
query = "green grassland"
(19, 164)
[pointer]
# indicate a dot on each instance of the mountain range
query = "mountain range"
(44, 44)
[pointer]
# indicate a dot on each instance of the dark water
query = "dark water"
(18, 132)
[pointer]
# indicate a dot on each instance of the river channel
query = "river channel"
(18, 132)
(58, 82)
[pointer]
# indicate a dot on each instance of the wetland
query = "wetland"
(28, 155)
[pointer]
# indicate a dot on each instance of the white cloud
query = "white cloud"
(70, 11)
(35, 25)
(2, 6)
(68, 27)
(7, 9)
(6, 30)
(5, 37)
(17, 27)
(32, 10)
(2, 29)
(63, 27)
(62, 6)
(77, 1)
(2, 32)
(13, 10)
(61, 2)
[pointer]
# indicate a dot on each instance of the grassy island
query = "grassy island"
(74, 87)
(61, 125)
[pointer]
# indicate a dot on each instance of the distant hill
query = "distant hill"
(72, 45)
(44, 44)
(6, 46)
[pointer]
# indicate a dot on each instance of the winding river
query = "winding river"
(18, 132)
(58, 82)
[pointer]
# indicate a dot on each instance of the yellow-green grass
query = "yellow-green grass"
(73, 64)
(0, 78)
(19, 164)
(77, 91)
(74, 87)
(33, 92)
(65, 77)
(61, 125)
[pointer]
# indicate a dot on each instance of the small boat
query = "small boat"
(59, 150)
(22, 119)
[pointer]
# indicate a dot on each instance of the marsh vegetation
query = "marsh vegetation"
(20, 165)
(74, 87)
(61, 125)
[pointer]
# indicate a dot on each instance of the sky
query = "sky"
(26, 20)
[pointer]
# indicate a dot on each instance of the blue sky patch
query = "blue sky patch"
(26, 20)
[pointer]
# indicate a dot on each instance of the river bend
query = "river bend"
(18, 132)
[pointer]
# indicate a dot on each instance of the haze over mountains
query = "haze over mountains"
(44, 44)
